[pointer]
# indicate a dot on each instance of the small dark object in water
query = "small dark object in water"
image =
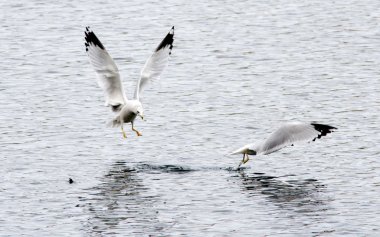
(71, 181)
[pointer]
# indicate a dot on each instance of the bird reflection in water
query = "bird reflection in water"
(305, 195)
(122, 204)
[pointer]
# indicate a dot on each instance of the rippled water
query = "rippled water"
(238, 69)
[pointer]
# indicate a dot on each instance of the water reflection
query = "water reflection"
(299, 195)
(148, 168)
(122, 204)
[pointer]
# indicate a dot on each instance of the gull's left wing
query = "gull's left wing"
(293, 132)
(156, 63)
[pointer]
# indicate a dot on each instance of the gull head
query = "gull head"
(139, 110)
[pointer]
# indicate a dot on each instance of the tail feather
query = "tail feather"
(241, 150)
(114, 122)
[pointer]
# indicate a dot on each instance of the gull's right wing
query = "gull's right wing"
(108, 73)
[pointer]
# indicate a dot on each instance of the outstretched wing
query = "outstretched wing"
(108, 73)
(156, 63)
(291, 133)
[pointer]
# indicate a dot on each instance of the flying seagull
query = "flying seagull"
(286, 135)
(109, 79)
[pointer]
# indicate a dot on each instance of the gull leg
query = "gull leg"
(122, 130)
(241, 162)
(137, 132)
(245, 160)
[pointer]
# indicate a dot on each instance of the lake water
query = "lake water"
(237, 71)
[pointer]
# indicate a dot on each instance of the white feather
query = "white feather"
(107, 73)
(155, 64)
(287, 134)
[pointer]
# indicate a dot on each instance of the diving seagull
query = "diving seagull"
(109, 79)
(286, 135)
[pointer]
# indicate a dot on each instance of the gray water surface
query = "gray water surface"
(238, 69)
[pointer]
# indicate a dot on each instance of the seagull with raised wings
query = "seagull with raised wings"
(109, 79)
(286, 135)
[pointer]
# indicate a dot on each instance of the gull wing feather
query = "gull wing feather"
(156, 63)
(291, 133)
(107, 71)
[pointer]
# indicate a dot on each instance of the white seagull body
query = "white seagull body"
(109, 78)
(286, 135)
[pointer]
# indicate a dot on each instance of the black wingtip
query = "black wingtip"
(91, 39)
(167, 41)
(323, 129)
